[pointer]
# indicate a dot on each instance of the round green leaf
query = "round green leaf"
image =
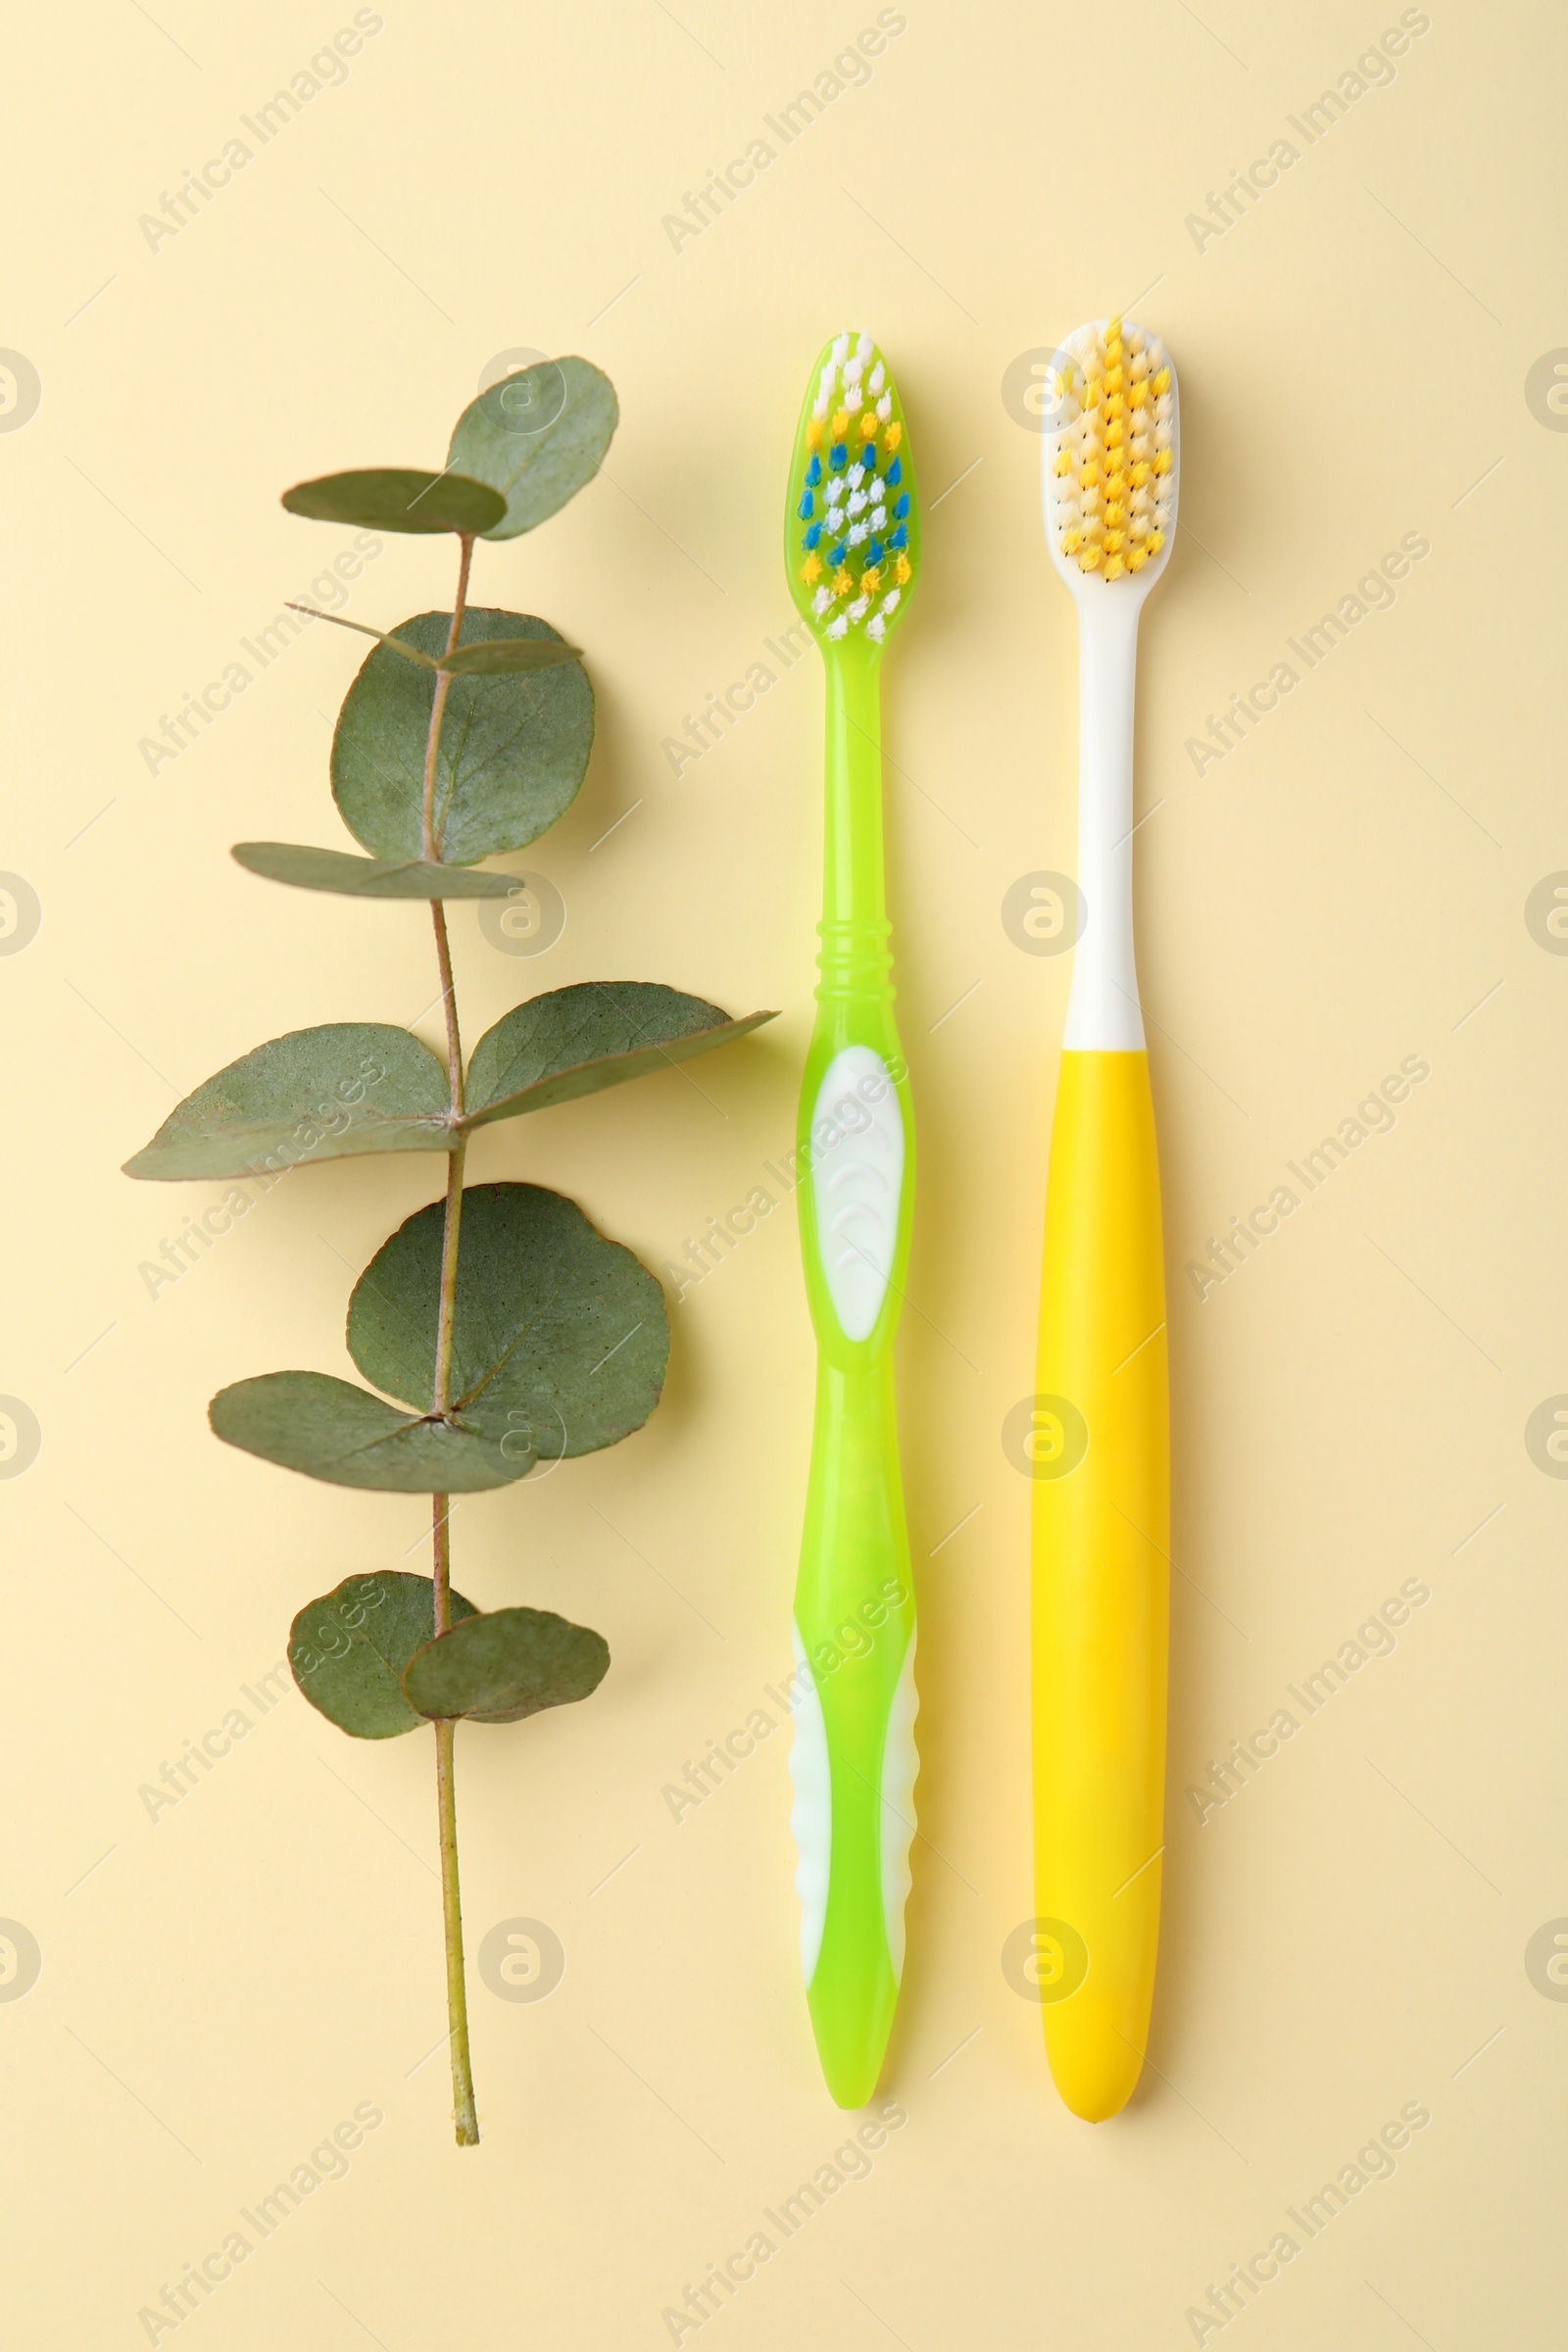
(316, 1094)
(330, 1430)
(560, 1338)
(398, 498)
(538, 436)
(349, 1649)
(366, 877)
(505, 1665)
(577, 1039)
(513, 753)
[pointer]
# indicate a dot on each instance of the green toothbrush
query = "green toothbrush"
(851, 548)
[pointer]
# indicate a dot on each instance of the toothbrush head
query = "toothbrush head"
(1110, 457)
(852, 522)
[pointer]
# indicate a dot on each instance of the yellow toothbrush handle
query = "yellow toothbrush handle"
(1101, 1601)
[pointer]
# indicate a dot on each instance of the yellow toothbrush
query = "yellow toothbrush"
(1102, 1435)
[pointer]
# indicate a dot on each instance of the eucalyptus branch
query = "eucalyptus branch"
(564, 1336)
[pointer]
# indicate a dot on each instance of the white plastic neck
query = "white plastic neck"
(1103, 1012)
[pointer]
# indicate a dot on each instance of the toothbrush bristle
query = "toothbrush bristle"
(1115, 459)
(852, 534)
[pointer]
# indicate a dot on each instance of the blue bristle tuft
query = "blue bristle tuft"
(868, 456)
(839, 458)
(901, 537)
(895, 473)
(902, 507)
(874, 552)
(813, 472)
(804, 509)
(814, 535)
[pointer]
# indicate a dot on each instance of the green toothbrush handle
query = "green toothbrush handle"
(853, 1757)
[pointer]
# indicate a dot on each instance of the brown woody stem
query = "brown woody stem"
(464, 2116)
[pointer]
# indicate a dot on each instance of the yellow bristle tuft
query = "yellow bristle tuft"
(902, 570)
(1113, 450)
(812, 569)
(842, 582)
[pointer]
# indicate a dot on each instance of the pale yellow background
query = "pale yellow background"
(226, 1984)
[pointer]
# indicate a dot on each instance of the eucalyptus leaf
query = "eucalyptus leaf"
(316, 1094)
(489, 658)
(514, 748)
(399, 498)
(408, 652)
(349, 1649)
(559, 1337)
(367, 877)
(504, 1665)
(578, 1040)
(500, 657)
(328, 1429)
(538, 436)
